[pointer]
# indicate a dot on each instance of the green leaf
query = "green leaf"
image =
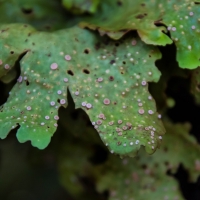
(147, 175)
(195, 84)
(78, 166)
(46, 15)
(108, 80)
(126, 179)
(139, 177)
(12, 48)
(81, 6)
(149, 18)
(178, 147)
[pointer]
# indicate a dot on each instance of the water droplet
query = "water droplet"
(59, 92)
(67, 57)
(28, 107)
(76, 93)
(20, 79)
(173, 28)
(129, 124)
(101, 116)
(47, 117)
(141, 111)
(191, 13)
(6, 66)
(99, 122)
(83, 104)
(134, 42)
(159, 116)
(89, 105)
(100, 79)
(106, 101)
(111, 123)
(137, 142)
(119, 121)
(62, 101)
(152, 133)
(65, 80)
(56, 117)
(140, 104)
(52, 103)
(150, 112)
(54, 66)
(55, 125)
(144, 83)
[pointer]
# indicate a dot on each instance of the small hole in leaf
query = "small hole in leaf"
(27, 10)
(122, 72)
(112, 61)
(47, 27)
(119, 3)
(86, 71)
(86, 51)
(111, 78)
(12, 52)
(144, 166)
(27, 82)
(100, 155)
(58, 100)
(165, 149)
(70, 72)
(124, 62)
(117, 44)
(140, 16)
(156, 165)
(166, 163)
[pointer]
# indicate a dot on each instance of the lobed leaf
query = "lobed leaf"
(126, 179)
(78, 166)
(45, 15)
(149, 18)
(178, 147)
(81, 6)
(195, 84)
(139, 177)
(108, 80)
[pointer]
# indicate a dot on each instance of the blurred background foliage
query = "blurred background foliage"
(76, 165)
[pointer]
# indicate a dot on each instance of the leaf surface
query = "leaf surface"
(195, 84)
(108, 80)
(45, 15)
(126, 179)
(149, 19)
(81, 6)
(178, 147)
